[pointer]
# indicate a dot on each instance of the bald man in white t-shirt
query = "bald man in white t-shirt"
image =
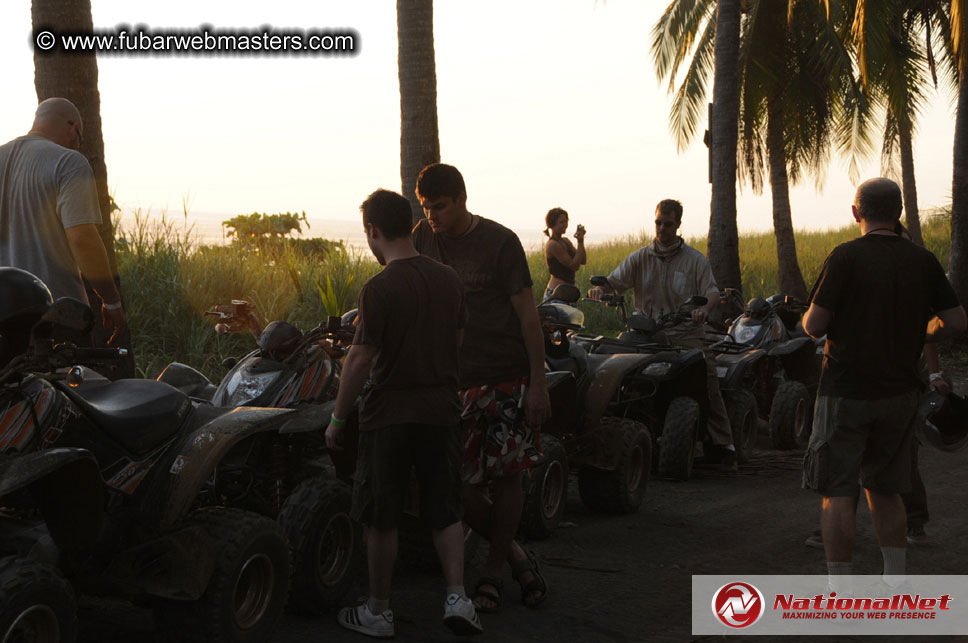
(49, 210)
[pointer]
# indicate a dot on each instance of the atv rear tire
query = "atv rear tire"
(677, 445)
(791, 416)
(545, 490)
(247, 590)
(620, 490)
(36, 603)
(744, 419)
(327, 544)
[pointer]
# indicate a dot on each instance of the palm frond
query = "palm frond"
(674, 35)
(890, 150)
(689, 106)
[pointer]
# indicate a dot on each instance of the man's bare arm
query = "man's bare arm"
(353, 376)
(92, 259)
(947, 324)
(701, 313)
(816, 321)
(536, 402)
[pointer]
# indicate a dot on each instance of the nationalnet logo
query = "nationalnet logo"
(830, 606)
(799, 605)
(738, 604)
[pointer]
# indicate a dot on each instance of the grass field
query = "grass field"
(169, 281)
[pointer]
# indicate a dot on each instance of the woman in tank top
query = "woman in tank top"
(562, 257)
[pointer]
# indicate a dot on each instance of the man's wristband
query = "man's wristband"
(335, 421)
(934, 377)
(108, 306)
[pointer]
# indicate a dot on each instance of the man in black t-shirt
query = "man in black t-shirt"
(504, 394)
(878, 299)
(409, 326)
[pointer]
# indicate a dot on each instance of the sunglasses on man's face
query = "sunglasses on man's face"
(659, 223)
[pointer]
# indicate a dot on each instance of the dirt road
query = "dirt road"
(628, 578)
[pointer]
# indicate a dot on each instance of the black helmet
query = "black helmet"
(22, 295)
(943, 421)
(758, 308)
(280, 339)
(23, 300)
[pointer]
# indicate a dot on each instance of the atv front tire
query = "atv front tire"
(620, 490)
(545, 490)
(791, 416)
(327, 544)
(247, 591)
(744, 420)
(677, 445)
(36, 602)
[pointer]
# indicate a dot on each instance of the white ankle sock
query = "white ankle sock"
(839, 577)
(895, 565)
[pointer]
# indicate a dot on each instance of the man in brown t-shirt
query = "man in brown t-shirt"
(504, 394)
(408, 331)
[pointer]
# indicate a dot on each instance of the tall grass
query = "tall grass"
(169, 280)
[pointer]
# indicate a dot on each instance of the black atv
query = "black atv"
(104, 484)
(587, 432)
(287, 475)
(766, 362)
(666, 385)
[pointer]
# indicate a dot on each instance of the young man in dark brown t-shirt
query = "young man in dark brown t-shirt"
(504, 394)
(409, 326)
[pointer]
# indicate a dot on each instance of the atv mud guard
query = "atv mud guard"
(799, 359)
(738, 365)
(66, 485)
(206, 447)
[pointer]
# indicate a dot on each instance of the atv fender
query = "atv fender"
(738, 366)
(66, 485)
(605, 381)
(188, 380)
(790, 346)
(205, 447)
(308, 418)
(563, 392)
(799, 359)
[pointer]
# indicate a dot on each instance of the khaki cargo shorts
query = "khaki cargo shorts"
(861, 442)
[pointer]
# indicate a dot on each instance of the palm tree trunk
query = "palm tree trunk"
(910, 187)
(790, 278)
(724, 129)
(958, 265)
(74, 77)
(419, 139)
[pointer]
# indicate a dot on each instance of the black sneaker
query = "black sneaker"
(815, 540)
(916, 535)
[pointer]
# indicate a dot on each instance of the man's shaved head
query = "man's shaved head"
(58, 120)
(879, 200)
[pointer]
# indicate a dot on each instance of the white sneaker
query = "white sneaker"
(361, 619)
(460, 616)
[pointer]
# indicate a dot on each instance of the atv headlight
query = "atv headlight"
(657, 369)
(745, 334)
(244, 386)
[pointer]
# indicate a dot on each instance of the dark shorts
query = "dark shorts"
(861, 441)
(383, 474)
(497, 440)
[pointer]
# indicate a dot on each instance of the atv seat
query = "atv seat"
(138, 414)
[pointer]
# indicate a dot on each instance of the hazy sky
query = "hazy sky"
(541, 103)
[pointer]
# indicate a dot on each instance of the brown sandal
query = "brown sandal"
(496, 597)
(536, 585)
